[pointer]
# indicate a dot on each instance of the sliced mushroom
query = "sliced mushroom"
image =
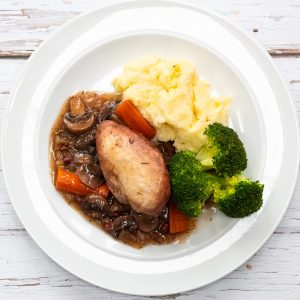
(124, 223)
(117, 209)
(79, 124)
(77, 107)
(90, 175)
(106, 110)
(116, 97)
(95, 206)
(146, 223)
(89, 98)
(85, 140)
(80, 158)
(95, 100)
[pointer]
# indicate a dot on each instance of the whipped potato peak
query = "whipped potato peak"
(171, 96)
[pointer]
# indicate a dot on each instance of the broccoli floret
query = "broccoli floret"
(238, 196)
(191, 185)
(190, 208)
(224, 151)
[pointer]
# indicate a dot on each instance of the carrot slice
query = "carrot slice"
(178, 222)
(130, 116)
(70, 182)
(103, 190)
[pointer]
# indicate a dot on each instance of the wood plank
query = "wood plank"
(25, 24)
(26, 272)
(273, 51)
(15, 54)
(270, 273)
(278, 51)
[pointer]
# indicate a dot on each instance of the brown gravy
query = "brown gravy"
(63, 153)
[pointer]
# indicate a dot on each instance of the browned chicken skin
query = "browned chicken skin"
(134, 169)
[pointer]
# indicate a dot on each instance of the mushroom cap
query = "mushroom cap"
(79, 124)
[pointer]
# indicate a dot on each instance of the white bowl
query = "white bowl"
(86, 54)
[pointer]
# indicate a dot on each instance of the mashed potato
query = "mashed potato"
(170, 95)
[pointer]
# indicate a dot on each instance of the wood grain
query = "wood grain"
(273, 51)
(278, 51)
(27, 273)
(25, 24)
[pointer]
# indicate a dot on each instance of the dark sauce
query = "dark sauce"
(77, 152)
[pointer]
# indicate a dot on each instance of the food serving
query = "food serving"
(144, 162)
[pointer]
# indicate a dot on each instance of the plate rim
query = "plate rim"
(189, 5)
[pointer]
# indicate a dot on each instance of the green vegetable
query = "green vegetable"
(224, 151)
(191, 185)
(238, 196)
(225, 156)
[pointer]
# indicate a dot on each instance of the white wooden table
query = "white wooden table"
(28, 273)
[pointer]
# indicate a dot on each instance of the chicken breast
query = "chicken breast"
(134, 169)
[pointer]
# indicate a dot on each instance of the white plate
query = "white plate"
(85, 54)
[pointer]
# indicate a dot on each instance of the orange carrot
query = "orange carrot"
(103, 190)
(178, 222)
(130, 116)
(70, 182)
